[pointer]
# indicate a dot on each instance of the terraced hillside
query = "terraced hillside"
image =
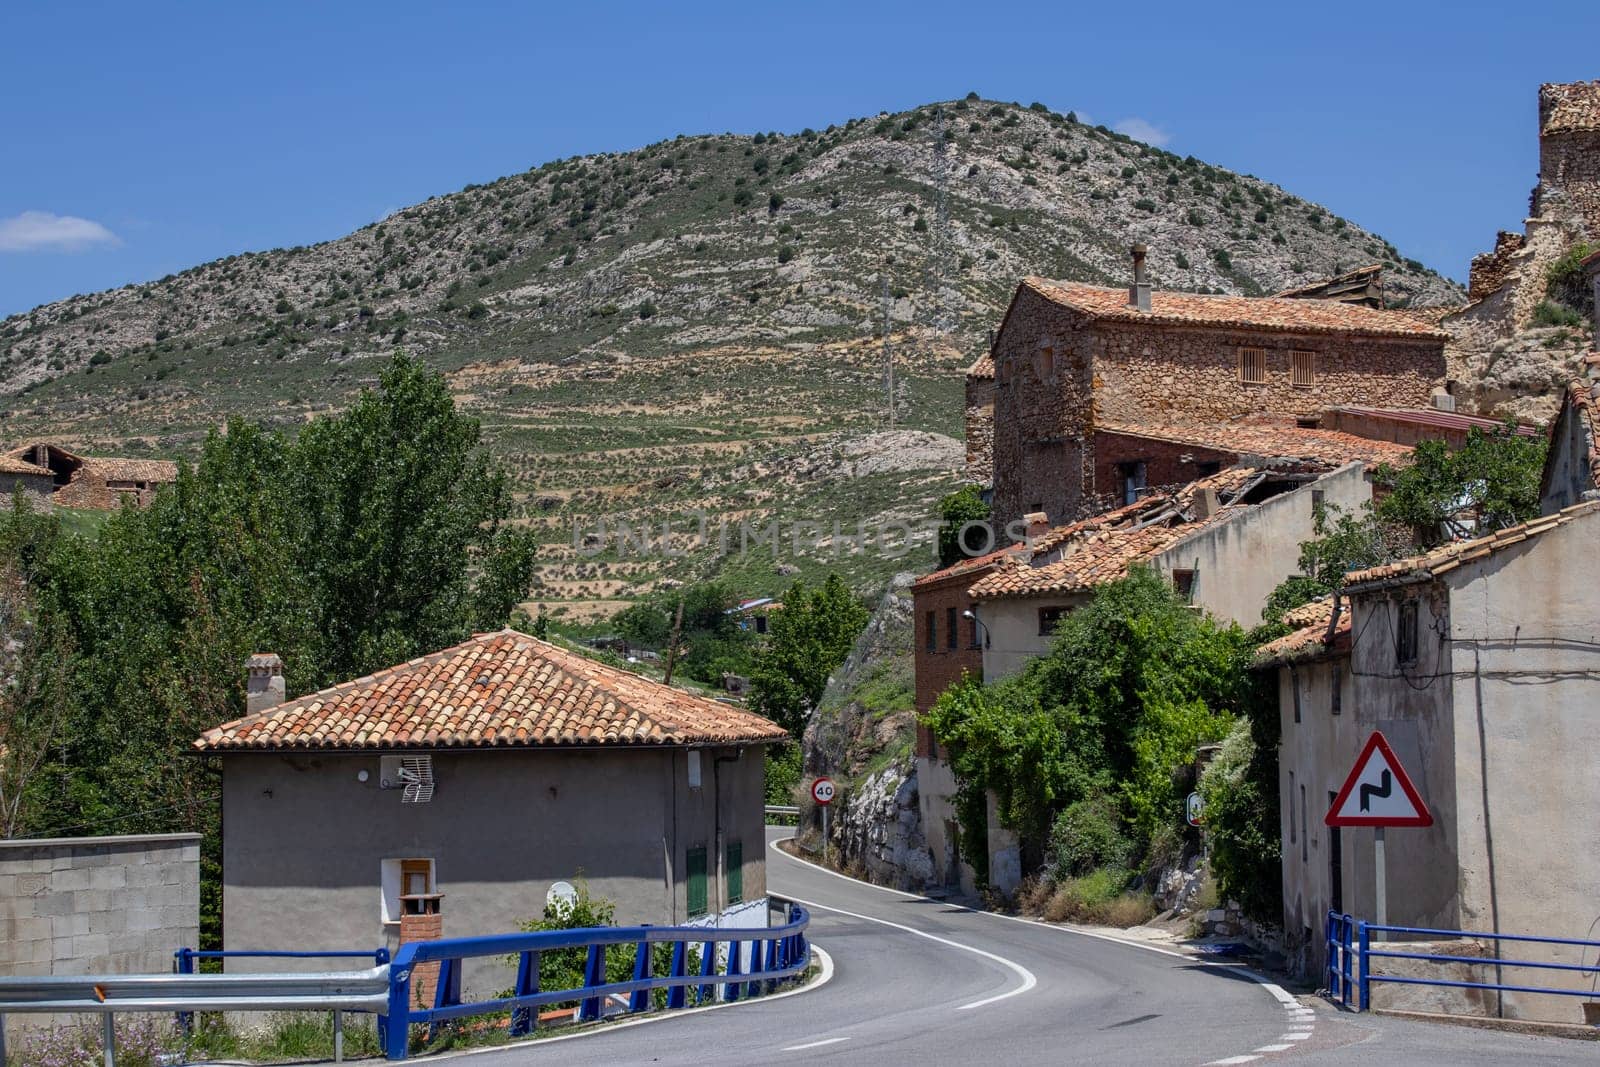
(690, 328)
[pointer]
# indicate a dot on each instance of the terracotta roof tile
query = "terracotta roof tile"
(1272, 441)
(13, 465)
(1581, 398)
(983, 368)
(971, 565)
(496, 690)
(1311, 636)
(1081, 555)
(1448, 557)
(118, 468)
(1247, 312)
(1570, 108)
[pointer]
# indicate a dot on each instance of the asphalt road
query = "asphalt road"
(917, 981)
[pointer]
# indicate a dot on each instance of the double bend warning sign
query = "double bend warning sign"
(1378, 792)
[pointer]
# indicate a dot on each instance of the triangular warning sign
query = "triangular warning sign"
(1378, 793)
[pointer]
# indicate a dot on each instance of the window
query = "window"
(1183, 584)
(1207, 469)
(735, 863)
(1131, 477)
(1318, 501)
(406, 888)
(1336, 691)
(1044, 363)
(761, 624)
(1292, 838)
(975, 641)
(1294, 686)
(930, 636)
(1253, 366)
(1305, 838)
(1049, 619)
(1302, 369)
(1405, 638)
(695, 871)
(950, 637)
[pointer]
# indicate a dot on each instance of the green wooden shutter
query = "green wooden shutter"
(697, 882)
(735, 872)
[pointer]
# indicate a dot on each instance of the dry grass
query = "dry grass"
(1097, 899)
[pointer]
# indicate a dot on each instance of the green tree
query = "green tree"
(963, 506)
(809, 638)
(1492, 480)
(1342, 541)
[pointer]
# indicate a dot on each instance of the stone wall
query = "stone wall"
(980, 429)
(90, 905)
(1569, 151)
(1491, 270)
(36, 487)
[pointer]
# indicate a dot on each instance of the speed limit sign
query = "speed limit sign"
(822, 791)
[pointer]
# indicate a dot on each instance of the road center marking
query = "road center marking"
(814, 1044)
(1028, 980)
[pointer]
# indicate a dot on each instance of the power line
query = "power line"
(113, 819)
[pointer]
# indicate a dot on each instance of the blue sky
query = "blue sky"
(143, 138)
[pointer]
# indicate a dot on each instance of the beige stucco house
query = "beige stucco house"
(1480, 663)
(447, 795)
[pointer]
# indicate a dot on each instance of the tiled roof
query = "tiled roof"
(132, 470)
(1449, 557)
(971, 565)
(983, 368)
(1361, 274)
(12, 465)
(1248, 312)
(497, 690)
(1079, 556)
(1444, 420)
(1311, 636)
(1573, 107)
(1271, 440)
(1581, 399)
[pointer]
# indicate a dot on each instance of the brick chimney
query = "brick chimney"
(264, 688)
(1038, 523)
(1139, 291)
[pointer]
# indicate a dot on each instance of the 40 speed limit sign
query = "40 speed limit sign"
(822, 791)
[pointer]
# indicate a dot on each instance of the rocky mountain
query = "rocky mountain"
(674, 331)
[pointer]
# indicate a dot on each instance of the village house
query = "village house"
(50, 473)
(1224, 541)
(451, 795)
(1072, 362)
(1478, 662)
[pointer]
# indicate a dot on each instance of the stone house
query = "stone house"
(1073, 359)
(1478, 662)
(75, 481)
(36, 482)
(448, 796)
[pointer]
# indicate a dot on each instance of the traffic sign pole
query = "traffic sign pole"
(824, 835)
(822, 793)
(1381, 878)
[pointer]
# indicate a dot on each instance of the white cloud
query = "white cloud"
(41, 231)
(1143, 130)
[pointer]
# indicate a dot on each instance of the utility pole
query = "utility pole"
(672, 645)
(888, 355)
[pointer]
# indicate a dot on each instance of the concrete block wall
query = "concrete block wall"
(98, 905)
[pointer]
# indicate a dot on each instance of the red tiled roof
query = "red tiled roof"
(1248, 312)
(10, 464)
(1079, 556)
(970, 565)
(1447, 420)
(1569, 108)
(1311, 636)
(1271, 440)
(497, 690)
(983, 368)
(1581, 399)
(1366, 273)
(117, 468)
(1448, 557)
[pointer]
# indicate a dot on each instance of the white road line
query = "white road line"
(1028, 980)
(1231, 1060)
(1273, 1048)
(1298, 1035)
(814, 1044)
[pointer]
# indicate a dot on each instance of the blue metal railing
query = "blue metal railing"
(773, 954)
(1350, 940)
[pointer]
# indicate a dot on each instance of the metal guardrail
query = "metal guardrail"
(774, 953)
(1350, 956)
(106, 995)
(782, 809)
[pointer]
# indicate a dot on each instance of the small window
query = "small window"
(976, 643)
(1292, 837)
(1044, 363)
(1305, 838)
(1336, 692)
(735, 862)
(1049, 619)
(1183, 584)
(1207, 469)
(407, 887)
(1318, 501)
(930, 633)
(1302, 369)
(1294, 687)
(1405, 641)
(695, 870)
(950, 637)
(1253, 366)
(761, 624)
(1131, 477)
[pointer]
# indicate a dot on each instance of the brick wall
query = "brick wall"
(1167, 465)
(941, 667)
(425, 976)
(91, 905)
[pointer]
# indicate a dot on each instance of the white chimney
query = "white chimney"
(1139, 292)
(264, 687)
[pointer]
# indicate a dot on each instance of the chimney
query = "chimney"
(1038, 524)
(1206, 503)
(264, 688)
(1139, 292)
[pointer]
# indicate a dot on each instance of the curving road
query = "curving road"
(918, 981)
